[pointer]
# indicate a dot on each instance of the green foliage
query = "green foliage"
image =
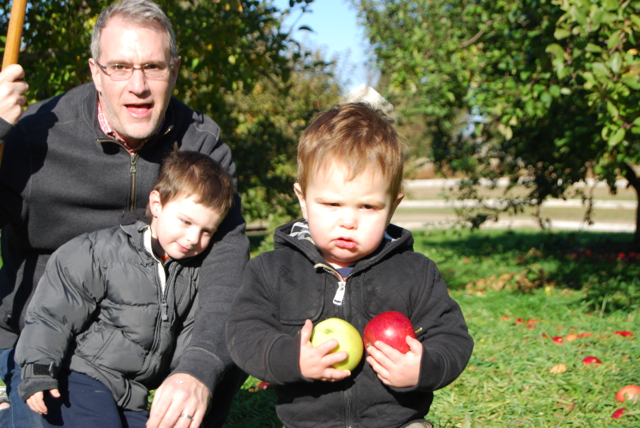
(237, 66)
(266, 124)
(548, 84)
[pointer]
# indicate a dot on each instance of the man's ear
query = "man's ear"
(301, 200)
(155, 204)
(174, 72)
(95, 74)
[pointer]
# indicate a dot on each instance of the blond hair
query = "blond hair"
(356, 135)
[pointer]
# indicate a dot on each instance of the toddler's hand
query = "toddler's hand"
(315, 363)
(393, 367)
(36, 401)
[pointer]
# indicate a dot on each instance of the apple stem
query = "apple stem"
(418, 330)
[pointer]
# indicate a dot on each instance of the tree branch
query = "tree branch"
(478, 34)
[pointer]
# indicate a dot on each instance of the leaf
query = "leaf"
(546, 98)
(618, 136)
(305, 28)
(612, 109)
(561, 33)
(578, 15)
(636, 21)
(615, 62)
(611, 4)
(593, 48)
(558, 369)
(599, 69)
(596, 16)
(556, 50)
(631, 81)
(614, 39)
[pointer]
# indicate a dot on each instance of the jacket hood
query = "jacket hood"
(396, 239)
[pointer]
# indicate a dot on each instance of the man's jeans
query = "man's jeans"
(19, 415)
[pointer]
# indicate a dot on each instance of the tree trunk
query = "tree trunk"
(635, 182)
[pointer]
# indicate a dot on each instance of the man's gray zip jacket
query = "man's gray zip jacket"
(103, 309)
(61, 176)
(284, 287)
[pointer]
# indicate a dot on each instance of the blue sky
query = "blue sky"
(336, 31)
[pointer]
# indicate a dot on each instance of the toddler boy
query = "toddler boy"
(345, 260)
(115, 307)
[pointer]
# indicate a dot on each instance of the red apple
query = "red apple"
(618, 413)
(391, 328)
(629, 392)
(591, 360)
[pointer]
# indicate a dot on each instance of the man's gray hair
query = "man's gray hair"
(144, 13)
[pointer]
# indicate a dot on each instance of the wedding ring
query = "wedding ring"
(184, 415)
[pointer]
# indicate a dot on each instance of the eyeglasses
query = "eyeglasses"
(125, 71)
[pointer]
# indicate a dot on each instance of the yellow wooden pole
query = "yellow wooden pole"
(14, 33)
(14, 36)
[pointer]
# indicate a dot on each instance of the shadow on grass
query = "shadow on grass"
(606, 265)
(253, 408)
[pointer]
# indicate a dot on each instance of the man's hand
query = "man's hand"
(393, 367)
(36, 401)
(181, 402)
(12, 93)
(315, 363)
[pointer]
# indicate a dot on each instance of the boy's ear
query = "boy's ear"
(395, 205)
(155, 205)
(301, 199)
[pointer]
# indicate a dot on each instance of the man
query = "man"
(76, 162)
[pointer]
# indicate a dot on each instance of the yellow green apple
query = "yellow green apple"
(349, 340)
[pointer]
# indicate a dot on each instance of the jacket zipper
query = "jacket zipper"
(132, 169)
(337, 300)
(342, 283)
(158, 327)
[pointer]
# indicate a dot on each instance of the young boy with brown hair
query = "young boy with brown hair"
(115, 307)
(346, 260)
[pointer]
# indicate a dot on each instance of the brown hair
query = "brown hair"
(357, 135)
(187, 173)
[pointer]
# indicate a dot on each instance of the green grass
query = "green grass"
(508, 382)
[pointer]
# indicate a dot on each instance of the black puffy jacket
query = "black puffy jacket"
(284, 287)
(100, 309)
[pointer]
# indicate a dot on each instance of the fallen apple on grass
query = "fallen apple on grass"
(348, 338)
(389, 327)
(628, 392)
(591, 360)
(618, 413)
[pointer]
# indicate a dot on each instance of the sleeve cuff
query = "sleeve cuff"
(32, 383)
(5, 129)
(202, 365)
